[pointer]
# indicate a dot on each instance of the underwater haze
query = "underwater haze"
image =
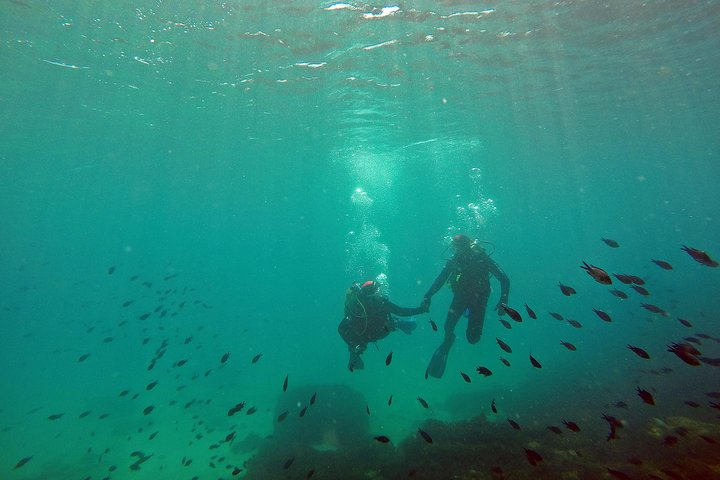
(189, 188)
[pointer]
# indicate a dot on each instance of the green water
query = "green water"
(252, 159)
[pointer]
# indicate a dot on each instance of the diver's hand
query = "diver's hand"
(425, 304)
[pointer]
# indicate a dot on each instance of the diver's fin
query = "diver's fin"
(437, 363)
(406, 326)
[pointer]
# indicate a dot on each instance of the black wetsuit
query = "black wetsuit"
(369, 318)
(468, 273)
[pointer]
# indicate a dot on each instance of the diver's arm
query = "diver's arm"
(440, 280)
(404, 311)
(503, 279)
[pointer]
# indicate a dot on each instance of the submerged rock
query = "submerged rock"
(335, 419)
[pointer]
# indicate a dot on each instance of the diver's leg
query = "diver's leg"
(356, 362)
(476, 318)
(436, 368)
(453, 316)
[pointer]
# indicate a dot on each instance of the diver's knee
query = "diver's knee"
(473, 336)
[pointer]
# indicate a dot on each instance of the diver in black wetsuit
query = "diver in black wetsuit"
(369, 317)
(468, 273)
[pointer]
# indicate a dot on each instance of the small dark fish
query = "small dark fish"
(493, 407)
(104, 416)
(504, 345)
(614, 425)
(654, 309)
(505, 323)
(388, 359)
(144, 316)
(619, 294)
(382, 439)
(603, 316)
(685, 322)
(108, 339)
(645, 395)
(513, 424)
(610, 242)
(433, 325)
(597, 273)
(251, 410)
(554, 429)
(390, 400)
(22, 462)
(83, 357)
(367, 408)
(423, 402)
(572, 426)
(662, 264)
(256, 358)
(225, 357)
(530, 312)
(575, 323)
(238, 407)
(153, 435)
(127, 303)
(692, 404)
(425, 435)
(148, 410)
(626, 279)
(557, 316)
(302, 412)
(639, 352)
(566, 289)
(288, 463)
(111, 270)
(313, 398)
(151, 385)
(533, 457)
(505, 361)
(236, 471)
(642, 291)
(534, 362)
(512, 313)
(285, 383)
(700, 256)
(180, 363)
(282, 416)
(84, 414)
(636, 280)
(55, 416)
(568, 345)
(484, 371)
(465, 377)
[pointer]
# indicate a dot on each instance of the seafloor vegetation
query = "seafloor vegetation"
(676, 448)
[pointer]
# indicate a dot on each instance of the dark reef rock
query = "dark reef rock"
(334, 421)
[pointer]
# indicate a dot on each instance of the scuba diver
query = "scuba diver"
(468, 274)
(369, 317)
